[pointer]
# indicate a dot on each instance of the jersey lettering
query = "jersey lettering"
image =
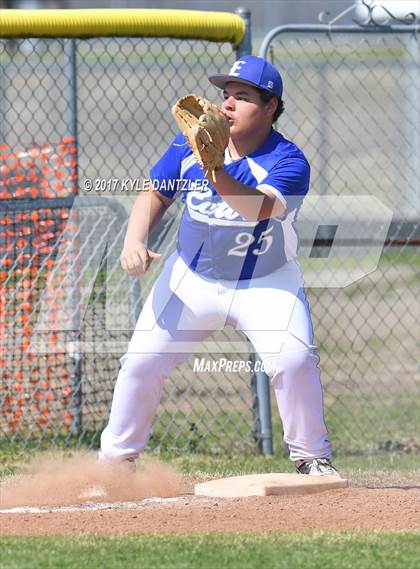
(215, 240)
(245, 239)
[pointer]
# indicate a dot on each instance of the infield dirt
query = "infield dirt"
(113, 501)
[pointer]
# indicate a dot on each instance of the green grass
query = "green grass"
(311, 550)
(211, 432)
(379, 470)
(353, 264)
(401, 256)
(374, 425)
(385, 469)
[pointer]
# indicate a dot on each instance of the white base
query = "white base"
(272, 484)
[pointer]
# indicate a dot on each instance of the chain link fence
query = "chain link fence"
(76, 308)
(352, 102)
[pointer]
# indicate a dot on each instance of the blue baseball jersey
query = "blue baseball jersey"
(215, 240)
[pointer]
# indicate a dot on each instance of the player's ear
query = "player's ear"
(271, 106)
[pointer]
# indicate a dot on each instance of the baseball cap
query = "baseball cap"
(253, 70)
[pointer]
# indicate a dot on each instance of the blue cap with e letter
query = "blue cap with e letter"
(254, 71)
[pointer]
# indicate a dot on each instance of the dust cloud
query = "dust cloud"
(55, 479)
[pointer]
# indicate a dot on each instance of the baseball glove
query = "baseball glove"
(206, 129)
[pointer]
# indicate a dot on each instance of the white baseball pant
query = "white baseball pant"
(181, 311)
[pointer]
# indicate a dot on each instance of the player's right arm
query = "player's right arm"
(149, 208)
(147, 211)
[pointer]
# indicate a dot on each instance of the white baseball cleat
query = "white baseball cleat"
(128, 463)
(316, 467)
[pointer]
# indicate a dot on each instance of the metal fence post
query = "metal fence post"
(410, 202)
(260, 386)
(76, 372)
(245, 47)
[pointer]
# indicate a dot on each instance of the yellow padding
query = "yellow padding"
(192, 24)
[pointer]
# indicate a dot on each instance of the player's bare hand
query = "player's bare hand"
(136, 259)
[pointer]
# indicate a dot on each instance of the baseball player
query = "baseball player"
(235, 264)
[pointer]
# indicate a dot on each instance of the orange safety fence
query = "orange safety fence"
(37, 187)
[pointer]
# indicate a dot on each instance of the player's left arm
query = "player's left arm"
(253, 204)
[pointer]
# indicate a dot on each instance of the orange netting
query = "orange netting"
(37, 389)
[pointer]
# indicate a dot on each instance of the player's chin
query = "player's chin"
(233, 129)
(236, 132)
